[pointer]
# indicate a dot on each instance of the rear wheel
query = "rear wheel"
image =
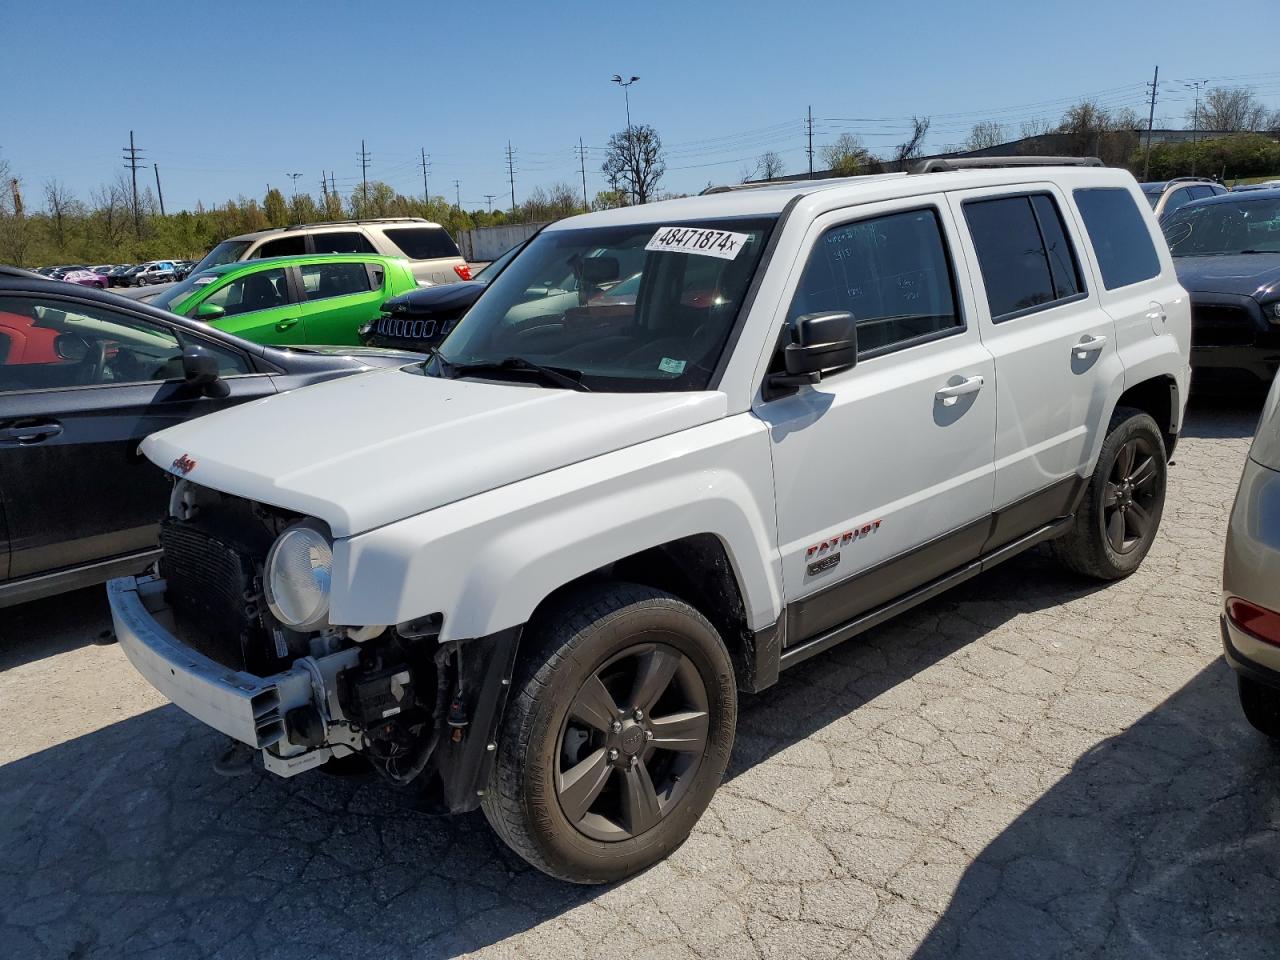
(1119, 515)
(617, 735)
(1261, 706)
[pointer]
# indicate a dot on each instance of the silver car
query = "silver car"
(1251, 576)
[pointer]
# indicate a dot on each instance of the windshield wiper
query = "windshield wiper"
(560, 376)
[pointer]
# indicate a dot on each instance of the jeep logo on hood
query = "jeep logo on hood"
(183, 465)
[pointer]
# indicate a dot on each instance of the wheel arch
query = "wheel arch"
(1158, 397)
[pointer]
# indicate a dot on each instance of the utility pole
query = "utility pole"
(159, 192)
(426, 194)
(131, 158)
(1151, 119)
(324, 187)
(491, 197)
(294, 177)
(333, 186)
(511, 175)
(582, 162)
(810, 151)
(457, 194)
(1195, 85)
(364, 173)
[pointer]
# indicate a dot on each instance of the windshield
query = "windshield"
(1223, 228)
(228, 251)
(642, 307)
(180, 291)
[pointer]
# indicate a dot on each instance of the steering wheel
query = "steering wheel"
(94, 364)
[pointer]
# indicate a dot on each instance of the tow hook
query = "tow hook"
(234, 761)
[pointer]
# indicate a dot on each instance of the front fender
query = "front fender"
(486, 562)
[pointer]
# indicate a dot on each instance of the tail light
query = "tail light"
(1254, 620)
(463, 270)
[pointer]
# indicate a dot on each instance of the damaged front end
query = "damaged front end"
(205, 631)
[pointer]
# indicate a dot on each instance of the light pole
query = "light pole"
(624, 84)
(1195, 85)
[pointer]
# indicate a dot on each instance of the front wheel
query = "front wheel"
(1119, 515)
(617, 734)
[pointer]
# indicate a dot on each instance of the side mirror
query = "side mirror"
(200, 370)
(208, 312)
(825, 342)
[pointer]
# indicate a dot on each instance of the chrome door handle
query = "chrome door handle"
(949, 396)
(1088, 345)
(286, 324)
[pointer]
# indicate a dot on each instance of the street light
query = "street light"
(617, 78)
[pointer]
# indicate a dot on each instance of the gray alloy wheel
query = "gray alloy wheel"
(1130, 494)
(632, 741)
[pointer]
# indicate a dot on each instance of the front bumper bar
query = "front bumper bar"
(248, 708)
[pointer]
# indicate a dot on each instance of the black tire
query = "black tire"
(1261, 706)
(588, 642)
(1092, 546)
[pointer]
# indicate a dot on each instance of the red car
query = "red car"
(86, 278)
(21, 341)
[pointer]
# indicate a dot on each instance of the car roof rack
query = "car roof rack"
(343, 223)
(940, 164)
(1191, 179)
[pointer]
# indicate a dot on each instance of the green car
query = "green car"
(316, 299)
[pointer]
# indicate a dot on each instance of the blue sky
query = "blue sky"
(230, 97)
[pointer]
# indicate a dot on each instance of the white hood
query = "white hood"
(371, 449)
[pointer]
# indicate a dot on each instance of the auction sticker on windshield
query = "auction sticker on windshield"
(706, 243)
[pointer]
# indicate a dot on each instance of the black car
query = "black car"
(84, 376)
(422, 318)
(115, 276)
(1227, 253)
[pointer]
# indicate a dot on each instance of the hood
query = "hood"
(1254, 275)
(448, 296)
(365, 451)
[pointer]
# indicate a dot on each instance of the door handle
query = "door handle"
(31, 432)
(283, 325)
(1088, 345)
(951, 395)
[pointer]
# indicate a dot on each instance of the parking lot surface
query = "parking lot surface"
(1029, 766)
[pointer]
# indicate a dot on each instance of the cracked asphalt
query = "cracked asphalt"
(1029, 766)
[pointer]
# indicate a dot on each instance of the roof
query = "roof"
(323, 225)
(771, 199)
(299, 259)
(1241, 196)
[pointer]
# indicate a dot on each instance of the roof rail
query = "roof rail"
(1192, 179)
(341, 223)
(939, 164)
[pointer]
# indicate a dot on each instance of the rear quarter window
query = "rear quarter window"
(423, 243)
(1119, 236)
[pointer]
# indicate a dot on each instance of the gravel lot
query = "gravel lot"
(1029, 766)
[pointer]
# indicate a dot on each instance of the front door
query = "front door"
(259, 306)
(883, 472)
(1054, 348)
(73, 487)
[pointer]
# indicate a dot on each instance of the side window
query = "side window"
(892, 273)
(1119, 236)
(230, 363)
(50, 344)
(322, 280)
(1023, 252)
(1199, 193)
(254, 291)
(293, 246)
(1179, 198)
(348, 241)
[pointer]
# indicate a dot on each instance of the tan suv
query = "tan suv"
(431, 252)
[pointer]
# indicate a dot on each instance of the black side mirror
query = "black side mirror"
(200, 369)
(825, 342)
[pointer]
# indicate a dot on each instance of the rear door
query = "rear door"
(340, 296)
(1054, 347)
(883, 472)
(73, 486)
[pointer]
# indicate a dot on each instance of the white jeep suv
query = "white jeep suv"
(533, 573)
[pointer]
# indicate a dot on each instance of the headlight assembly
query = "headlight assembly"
(299, 572)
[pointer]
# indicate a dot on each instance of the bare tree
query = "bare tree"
(906, 152)
(984, 135)
(60, 203)
(1229, 108)
(634, 160)
(1036, 127)
(846, 156)
(770, 165)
